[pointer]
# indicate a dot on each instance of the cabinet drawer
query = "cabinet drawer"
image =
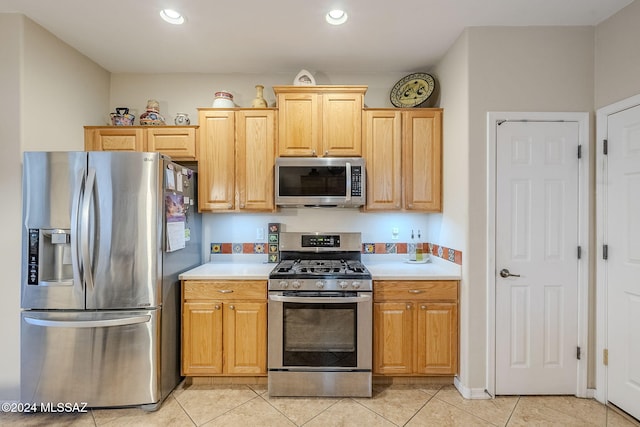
(224, 290)
(403, 290)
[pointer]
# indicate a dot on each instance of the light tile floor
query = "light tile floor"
(391, 405)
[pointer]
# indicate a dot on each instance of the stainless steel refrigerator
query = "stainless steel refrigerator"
(105, 235)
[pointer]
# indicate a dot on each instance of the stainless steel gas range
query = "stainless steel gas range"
(320, 317)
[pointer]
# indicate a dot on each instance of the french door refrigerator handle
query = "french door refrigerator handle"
(76, 261)
(87, 323)
(84, 223)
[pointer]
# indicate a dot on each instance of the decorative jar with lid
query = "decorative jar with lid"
(152, 116)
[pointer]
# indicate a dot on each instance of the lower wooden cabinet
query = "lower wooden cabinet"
(415, 328)
(224, 327)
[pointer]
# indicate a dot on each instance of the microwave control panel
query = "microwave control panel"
(356, 181)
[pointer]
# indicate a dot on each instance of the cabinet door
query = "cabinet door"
(202, 338)
(216, 183)
(422, 159)
(383, 155)
(299, 123)
(342, 124)
(115, 138)
(245, 337)
(437, 338)
(255, 158)
(177, 142)
(392, 338)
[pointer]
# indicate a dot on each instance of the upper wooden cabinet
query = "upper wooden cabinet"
(236, 158)
(178, 142)
(320, 120)
(403, 151)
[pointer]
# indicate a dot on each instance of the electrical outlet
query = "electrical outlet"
(259, 233)
(394, 233)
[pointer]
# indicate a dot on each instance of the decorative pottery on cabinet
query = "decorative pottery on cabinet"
(152, 116)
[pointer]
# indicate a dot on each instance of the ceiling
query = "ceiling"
(256, 36)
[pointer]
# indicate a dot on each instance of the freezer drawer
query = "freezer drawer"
(107, 358)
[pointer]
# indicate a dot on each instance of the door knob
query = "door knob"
(505, 273)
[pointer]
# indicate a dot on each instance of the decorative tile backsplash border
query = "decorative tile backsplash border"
(448, 254)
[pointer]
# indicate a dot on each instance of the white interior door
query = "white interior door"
(623, 264)
(537, 187)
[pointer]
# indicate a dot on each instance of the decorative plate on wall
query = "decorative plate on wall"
(412, 90)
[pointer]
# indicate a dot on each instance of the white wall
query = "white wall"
(617, 63)
(451, 228)
(49, 91)
(513, 69)
(10, 214)
(63, 91)
(188, 92)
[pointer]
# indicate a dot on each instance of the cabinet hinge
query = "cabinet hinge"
(580, 151)
(605, 146)
(605, 357)
(579, 252)
(605, 252)
(578, 353)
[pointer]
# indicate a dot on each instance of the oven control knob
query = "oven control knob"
(283, 284)
(319, 284)
(355, 285)
(295, 284)
(343, 284)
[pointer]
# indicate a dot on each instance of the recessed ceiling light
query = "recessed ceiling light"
(336, 17)
(171, 16)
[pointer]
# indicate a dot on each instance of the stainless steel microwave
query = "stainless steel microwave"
(320, 181)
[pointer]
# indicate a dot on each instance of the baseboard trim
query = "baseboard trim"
(470, 393)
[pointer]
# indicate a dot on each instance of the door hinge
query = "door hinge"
(605, 252)
(578, 353)
(605, 357)
(580, 151)
(605, 146)
(579, 252)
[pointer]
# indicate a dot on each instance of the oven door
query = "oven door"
(320, 331)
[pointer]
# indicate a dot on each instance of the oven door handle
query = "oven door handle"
(320, 300)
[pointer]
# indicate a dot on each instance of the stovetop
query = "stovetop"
(320, 274)
(320, 267)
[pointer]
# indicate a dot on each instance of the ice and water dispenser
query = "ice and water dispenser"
(49, 257)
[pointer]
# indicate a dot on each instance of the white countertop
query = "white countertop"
(383, 270)
(229, 271)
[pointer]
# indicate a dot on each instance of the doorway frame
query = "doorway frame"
(584, 198)
(602, 131)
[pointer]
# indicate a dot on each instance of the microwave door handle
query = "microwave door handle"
(348, 195)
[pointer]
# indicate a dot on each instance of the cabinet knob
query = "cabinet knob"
(229, 205)
(313, 153)
(326, 153)
(408, 306)
(423, 307)
(217, 307)
(232, 307)
(241, 205)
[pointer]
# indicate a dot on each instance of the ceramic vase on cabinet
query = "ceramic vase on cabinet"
(182, 119)
(259, 101)
(223, 99)
(152, 116)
